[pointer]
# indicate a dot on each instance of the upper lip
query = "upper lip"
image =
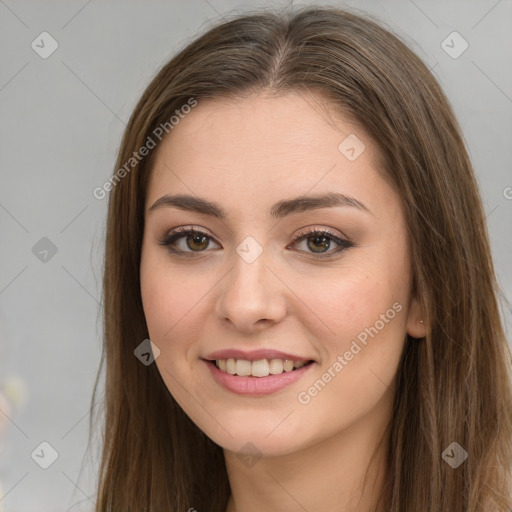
(254, 355)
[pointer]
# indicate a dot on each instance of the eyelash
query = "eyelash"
(170, 238)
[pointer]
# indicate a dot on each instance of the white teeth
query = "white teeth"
(288, 365)
(260, 368)
(230, 366)
(276, 366)
(243, 367)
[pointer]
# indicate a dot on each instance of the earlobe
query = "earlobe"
(418, 330)
(416, 327)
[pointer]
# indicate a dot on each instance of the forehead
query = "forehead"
(265, 148)
(264, 125)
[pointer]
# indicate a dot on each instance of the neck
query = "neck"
(345, 472)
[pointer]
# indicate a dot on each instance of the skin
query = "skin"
(246, 155)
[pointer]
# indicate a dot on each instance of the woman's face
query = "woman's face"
(258, 291)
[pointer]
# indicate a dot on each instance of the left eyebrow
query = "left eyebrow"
(278, 211)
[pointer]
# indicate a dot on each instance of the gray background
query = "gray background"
(61, 125)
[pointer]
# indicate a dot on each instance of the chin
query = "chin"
(252, 435)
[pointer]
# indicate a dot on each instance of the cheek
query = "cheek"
(349, 303)
(169, 297)
(359, 361)
(366, 318)
(171, 303)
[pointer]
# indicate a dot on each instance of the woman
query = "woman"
(295, 225)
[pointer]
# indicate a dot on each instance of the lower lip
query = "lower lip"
(256, 385)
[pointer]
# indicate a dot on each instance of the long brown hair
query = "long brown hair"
(453, 386)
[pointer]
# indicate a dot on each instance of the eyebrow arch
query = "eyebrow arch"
(279, 210)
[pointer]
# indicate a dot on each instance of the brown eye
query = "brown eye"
(186, 241)
(319, 242)
(197, 241)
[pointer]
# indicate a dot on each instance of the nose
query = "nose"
(252, 296)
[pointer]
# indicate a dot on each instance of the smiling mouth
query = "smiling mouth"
(259, 368)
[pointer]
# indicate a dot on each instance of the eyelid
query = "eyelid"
(311, 230)
(175, 234)
(341, 240)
